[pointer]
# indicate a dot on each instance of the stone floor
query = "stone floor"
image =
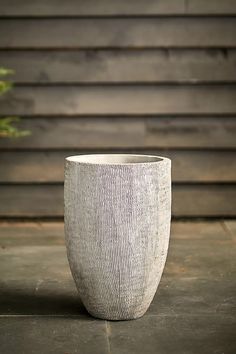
(193, 310)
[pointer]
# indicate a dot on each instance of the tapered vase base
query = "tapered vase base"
(117, 317)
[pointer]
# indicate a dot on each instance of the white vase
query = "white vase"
(117, 226)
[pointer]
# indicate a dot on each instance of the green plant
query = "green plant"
(7, 128)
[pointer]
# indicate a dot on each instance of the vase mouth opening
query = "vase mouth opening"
(115, 159)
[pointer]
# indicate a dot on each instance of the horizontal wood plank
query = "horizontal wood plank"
(148, 77)
(111, 7)
(187, 166)
(99, 66)
(118, 33)
(18, 233)
(90, 7)
(104, 133)
(132, 99)
(47, 200)
(15, 233)
(124, 132)
(211, 7)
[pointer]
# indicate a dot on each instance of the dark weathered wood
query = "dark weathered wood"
(107, 7)
(199, 230)
(167, 99)
(175, 91)
(118, 33)
(196, 131)
(99, 66)
(31, 201)
(122, 133)
(21, 234)
(230, 227)
(17, 233)
(47, 200)
(204, 200)
(217, 7)
(187, 166)
(36, 233)
(91, 7)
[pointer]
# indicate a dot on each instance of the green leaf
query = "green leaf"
(4, 87)
(8, 130)
(5, 72)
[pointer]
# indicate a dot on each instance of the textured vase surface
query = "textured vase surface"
(117, 226)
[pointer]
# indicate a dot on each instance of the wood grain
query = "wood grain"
(118, 33)
(147, 77)
(125, 132)
(90, 7)
(47, 200)
(123, 66)
(111, 7)
(218, 7)
(131, 99)
(187, 166)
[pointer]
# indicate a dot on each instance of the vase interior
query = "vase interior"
(120, 159)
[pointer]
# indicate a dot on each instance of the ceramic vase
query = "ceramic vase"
(117, 226)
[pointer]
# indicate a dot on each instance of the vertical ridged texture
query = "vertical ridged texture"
(117, 225)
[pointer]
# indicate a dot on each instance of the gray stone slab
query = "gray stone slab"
(36, 280)
(174, 335)
(201, 258)
(34, 262)
(43, 298)
(52, 335)
(193, 310)
(203, 296)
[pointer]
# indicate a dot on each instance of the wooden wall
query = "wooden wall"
(136, 76)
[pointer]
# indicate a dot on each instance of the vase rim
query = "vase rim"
(116, 159)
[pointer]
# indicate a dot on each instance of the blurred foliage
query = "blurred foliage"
(7, 128)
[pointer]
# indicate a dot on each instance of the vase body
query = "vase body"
(117, 226)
